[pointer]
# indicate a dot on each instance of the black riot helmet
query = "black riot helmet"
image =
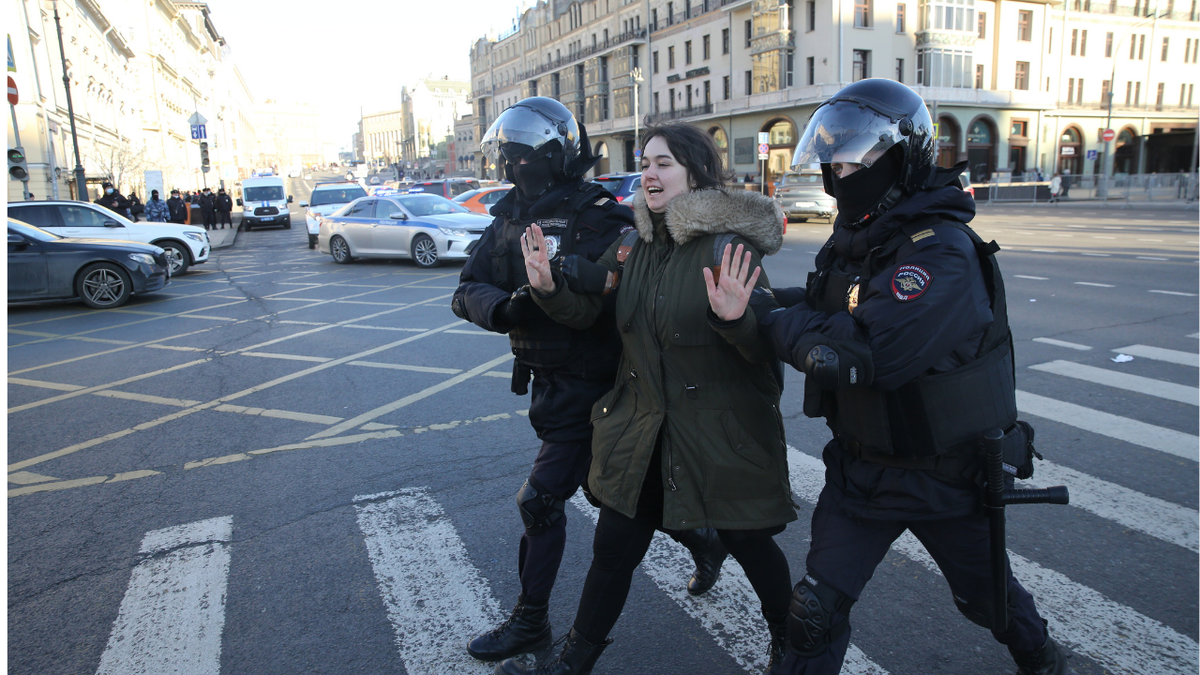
(863, 122)
(533, 128)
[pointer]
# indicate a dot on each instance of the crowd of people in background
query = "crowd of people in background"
(214, 209)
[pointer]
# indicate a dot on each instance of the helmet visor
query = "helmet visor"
(846, 132)
(522, 126)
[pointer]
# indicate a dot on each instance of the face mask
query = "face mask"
(862, 190)
(108, 191)
(532, 179)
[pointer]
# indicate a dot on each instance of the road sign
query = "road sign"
(196, 119)
(199, 132)
(12, 91)
(637, 154)
(763, 148)
(1093, 154)
(764, 137)
(1108, 135)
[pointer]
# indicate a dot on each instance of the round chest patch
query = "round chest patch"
(551, 246)
(910, 282)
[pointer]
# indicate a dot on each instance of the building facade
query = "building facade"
(382, 133)
(466, 146)
(1014, 85)
(430, 109)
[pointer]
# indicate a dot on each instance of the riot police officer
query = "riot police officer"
(545, 153)
(902, 333)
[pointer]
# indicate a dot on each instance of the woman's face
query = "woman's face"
(663, 177)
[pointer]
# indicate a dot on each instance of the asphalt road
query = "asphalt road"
(283, 465)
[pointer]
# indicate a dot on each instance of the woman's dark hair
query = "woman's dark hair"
(694, 149)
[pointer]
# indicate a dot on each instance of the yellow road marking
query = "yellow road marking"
(107, 385)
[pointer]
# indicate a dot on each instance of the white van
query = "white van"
(264, 201)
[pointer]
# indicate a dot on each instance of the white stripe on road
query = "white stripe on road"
(1089, 283)
(1160, 354)
(1023, 276)
(1150, 257)
(1186, 295)
(173, 612)
(1081, 618)
(1109, 378)
(1132, 431)
(729, 612)
(45, 385)
(1160, 519)
(1061, 343)
(288, 357)
(435, 598)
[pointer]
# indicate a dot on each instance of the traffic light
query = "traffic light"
(17, 169)
(204, 164)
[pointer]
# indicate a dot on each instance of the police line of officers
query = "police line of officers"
(652, 342)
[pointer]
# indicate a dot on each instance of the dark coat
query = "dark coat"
(208, 204)
(178, 208)
(224, 203)
(115, 202)
(705, 390)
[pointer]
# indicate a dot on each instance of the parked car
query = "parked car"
(101, 272)
(481, 200)
(264, 201)
(622, 185)
(427, 228)
(186, 245)
(801, 195)
(445, 187)
(324, 200)
(966, 185)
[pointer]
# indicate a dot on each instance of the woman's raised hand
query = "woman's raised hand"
(729, 294)
(537, 262)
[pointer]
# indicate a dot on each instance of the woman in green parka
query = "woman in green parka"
(690, 436)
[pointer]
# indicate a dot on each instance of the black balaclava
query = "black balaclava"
(532, 179)
(863, 190)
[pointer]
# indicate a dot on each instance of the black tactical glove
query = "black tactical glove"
(519, 308)
(583, 275)
(457, 308)
(835, 364)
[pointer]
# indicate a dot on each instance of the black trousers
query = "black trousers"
(210, 219)
(223, 217)
(845, 552)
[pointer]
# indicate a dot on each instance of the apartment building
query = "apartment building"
(1009, 82)
(382, 134)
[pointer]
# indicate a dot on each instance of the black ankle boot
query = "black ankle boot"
(709, 554)
(577, 658)
(526, 630)
(777, 627)
(1050, 659)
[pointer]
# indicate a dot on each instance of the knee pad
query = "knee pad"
(540, 510)
(811, 623)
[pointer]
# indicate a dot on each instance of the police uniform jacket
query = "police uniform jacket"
(701, 391)
(921, 310)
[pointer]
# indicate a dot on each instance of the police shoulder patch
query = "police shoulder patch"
(910, 282)
(602, 201)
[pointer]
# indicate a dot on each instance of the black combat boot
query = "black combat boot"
(526, 630)
(709, 554)
(577, 658)
(1050, 659)
(777, 626)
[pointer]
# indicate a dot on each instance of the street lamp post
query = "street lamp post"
(636, 76)
(81, 191)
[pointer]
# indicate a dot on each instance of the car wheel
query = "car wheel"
(287, 224)
(104, 285)
(340, 250)
(177, 256)
(424, 251)
(312, 241)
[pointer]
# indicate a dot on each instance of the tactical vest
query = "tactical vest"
(934, 422)
(542, 342)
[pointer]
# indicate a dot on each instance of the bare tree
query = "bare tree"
(121, 164)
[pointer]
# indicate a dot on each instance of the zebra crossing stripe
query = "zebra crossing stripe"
(1112, 634)
(1160, 354)
(435, 597)
(1132, 431)
(173, 612)
(1110, 378)
(729, 612)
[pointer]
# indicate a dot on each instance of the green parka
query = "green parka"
(708, 389)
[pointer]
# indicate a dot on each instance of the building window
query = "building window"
(707, 92)
(670, 57)
(810, 23)
(900, 12)
(790, 68)
(1105, 91)
(1158, 104)
(938, 67)
(748, 34)
(979, 76)
(1070, 91)
(654, 19)
(947, 15)
(687, 53)
(982, 28)
(1074, 40)
(671, 18)
(726, 88)
(671, 95)
(1137, 93)
(861, 69)
(724, 41)
(1187, 51)
(749, 83)
(811, 67)
(862, 13)
(1022, 78)
(654, 60)
(1025, 25)
(900, 70)
(1128, 93)
(656, 108)
(1019, 128)
(1166, 42)
(707, 47)
(1083, 43)
(1108, 45)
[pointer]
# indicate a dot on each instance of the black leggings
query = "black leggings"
(622, 542)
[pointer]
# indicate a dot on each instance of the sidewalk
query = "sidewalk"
(226, 237)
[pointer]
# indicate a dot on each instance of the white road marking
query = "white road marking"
(1043, 250)
(1150, 257)
(1157, 240)
(57, 386)
(304, 323)
(1132, 431)
(1160, 354)
(474, 332)
(729, 612)
(173, 613)
(402, 330)
(497, 373)
(145, 398)
(1195, 335)
(28, 478)
(1098, 255)
(1110, 378)
(176, 348)
(1097, 236)
(1186, 295)
(399, 366)
(288, 357)
(1081, 618)
(278, 414)
(1061, 343)
(1090, 283)
(436, 599)
(1024, 276)
(205, 316)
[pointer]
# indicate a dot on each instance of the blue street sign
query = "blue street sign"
(1093, 154)
(637, 154)
(198, 132)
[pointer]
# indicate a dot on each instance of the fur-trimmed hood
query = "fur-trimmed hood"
(694, 214)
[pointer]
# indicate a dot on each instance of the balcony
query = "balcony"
(681, 113)
(628, 36)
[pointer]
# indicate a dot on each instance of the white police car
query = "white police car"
(325, 199)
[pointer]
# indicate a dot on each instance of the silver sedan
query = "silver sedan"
(427, 228)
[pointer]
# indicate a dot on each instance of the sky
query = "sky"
(342, 54)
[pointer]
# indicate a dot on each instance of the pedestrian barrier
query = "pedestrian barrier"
(1127, 188)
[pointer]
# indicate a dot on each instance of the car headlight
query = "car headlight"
(452, 232)
(143, 258)
(195, 235)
